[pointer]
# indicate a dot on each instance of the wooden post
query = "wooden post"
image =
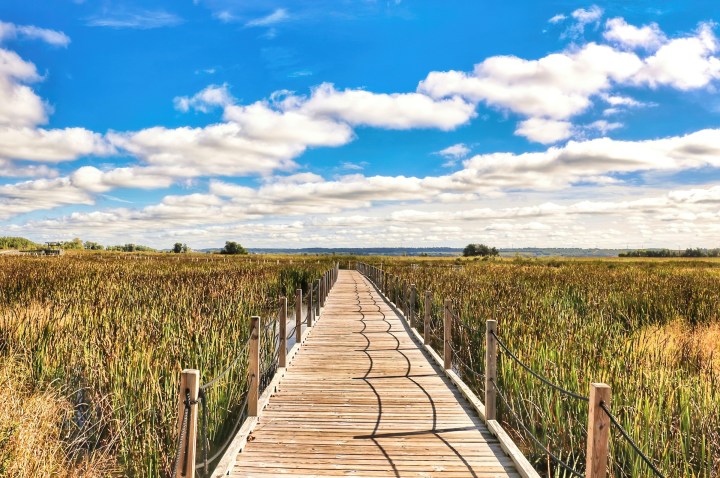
(448, 336)
(405, 299)
(413, 297)
(490, 370)
(320, 292)
(189, 382)
(598, 431)
(426, 325)
(254, 391)
(310, 308)
(282, 353)
(298, 315)
(317, 301)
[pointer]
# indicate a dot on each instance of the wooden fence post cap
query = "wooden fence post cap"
(191, 371)
(600, 385)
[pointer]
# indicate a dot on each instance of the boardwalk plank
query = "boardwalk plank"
(362, 399)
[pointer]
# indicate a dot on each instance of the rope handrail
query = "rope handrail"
(218, 377)
(632, 443)
(268, 346)
(228, 439)
(538, 376)
(537, 442)
(396, 290)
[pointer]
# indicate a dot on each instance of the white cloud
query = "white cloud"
(456, 151)
(603, 126)
(8, 169)
(393, 111)
(19, 105)
(278, 16)
(683, 63)
(543, 130)
(557, 86)
(52, 37)
(205, 100)
(139, 19)
(557, 18)
(618, 31)
(52, 146)
(589, 15)
(583, 17)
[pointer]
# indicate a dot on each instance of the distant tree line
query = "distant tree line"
(479, 250)
(7, 242)
(696, 252)
(131, 248)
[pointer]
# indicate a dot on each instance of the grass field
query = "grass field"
(649, 328)
(92, 346)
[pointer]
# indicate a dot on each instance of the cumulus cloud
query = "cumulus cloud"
(19, 105)
(618, 31)
(553, 89)
(684, 63)
(392, 111)
(10, 31)
(50, 146)
(543, 130)
(557, 86)
(210, 97)
(456, 151)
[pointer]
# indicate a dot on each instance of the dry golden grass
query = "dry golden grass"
(679, 340)
(34, 431)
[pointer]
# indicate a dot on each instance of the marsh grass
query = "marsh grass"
(106, 335)
(647, 328)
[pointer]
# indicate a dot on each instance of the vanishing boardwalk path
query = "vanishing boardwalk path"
(362, 399)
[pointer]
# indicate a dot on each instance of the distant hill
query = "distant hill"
(7, 242)
(559, 252)
(430, 251)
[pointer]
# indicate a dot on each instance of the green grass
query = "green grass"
(113, 332)
(640, 326)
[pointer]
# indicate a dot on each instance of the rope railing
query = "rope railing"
(452, 330)
(632, 443)
(547, 382)
(261, 351)
(544, 448)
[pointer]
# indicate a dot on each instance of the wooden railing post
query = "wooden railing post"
(189, 383)
(282, 353)
(254, 391)
(447, 336)
(490, 370)
(321, 292)
(598, 432)
(298, 315)
(405, 299)
(413, 297)
(317, 300)
(310, 309)
(428, 311)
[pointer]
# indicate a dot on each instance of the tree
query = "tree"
(179, 248)
(232, 247)
(93, 246)
(479, 250)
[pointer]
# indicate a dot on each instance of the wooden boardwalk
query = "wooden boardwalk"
(362, 398)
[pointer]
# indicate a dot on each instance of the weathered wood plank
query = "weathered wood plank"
(363, 399)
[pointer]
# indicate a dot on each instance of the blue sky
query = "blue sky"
(350, 123)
